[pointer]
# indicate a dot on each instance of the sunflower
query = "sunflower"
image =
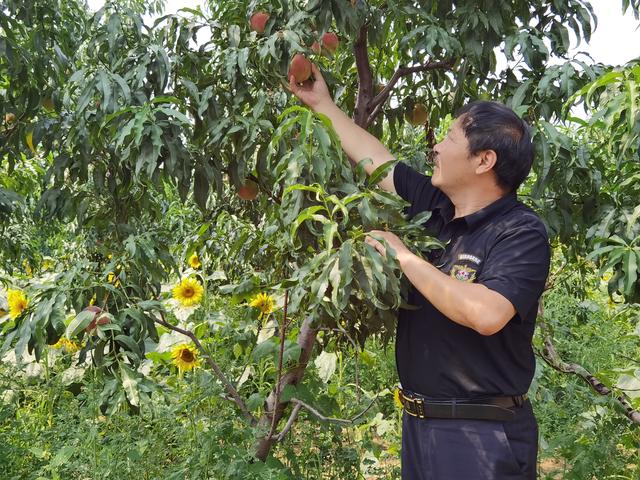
(188, 292)
(396, 399)
(17, 303)
(194, 261)
(264, 303)
(69, 346)
(185, 357)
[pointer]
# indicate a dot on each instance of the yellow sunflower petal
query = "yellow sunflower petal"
(17, 302)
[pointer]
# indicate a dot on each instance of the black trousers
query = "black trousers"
(459, 449)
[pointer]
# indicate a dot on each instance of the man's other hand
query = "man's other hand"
(393, 242)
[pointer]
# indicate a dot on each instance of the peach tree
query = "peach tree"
(112, 121)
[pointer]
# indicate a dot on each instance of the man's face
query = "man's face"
(453, 167)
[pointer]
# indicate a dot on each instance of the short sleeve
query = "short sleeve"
(416, 188)
(517, 267)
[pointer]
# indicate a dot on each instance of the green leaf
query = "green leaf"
(79, 323)
(264, 349)
(130, 384)
(631, 271)
(175, 113)
(326, 364)
(291, 352)
(62, 456)
(381, 172)
(129, 343)
(255, 401)
(308, 214)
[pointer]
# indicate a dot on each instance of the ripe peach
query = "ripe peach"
(98, 319)
(248, 191)
(300, 68)
(258, 21)
(330, 41)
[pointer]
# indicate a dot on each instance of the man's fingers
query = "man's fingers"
(293, 88)
(316, 71)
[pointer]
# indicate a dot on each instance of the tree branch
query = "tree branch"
(214, 366)
(283, 328)
(299, 404)
(375, 106)
(365, 79)
(551, 357)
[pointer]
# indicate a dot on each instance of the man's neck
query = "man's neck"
(471, 200)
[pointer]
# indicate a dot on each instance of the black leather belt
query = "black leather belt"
(493, 408)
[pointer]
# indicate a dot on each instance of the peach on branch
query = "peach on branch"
(300, 68)
(248, 191)
(258, 21)
(330, 41)
(418, 115)
(99, 318)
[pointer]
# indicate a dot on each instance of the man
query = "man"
(464, 357)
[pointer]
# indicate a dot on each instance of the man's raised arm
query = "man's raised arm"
(356, 142)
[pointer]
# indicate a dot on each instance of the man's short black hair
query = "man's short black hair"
(494, 126)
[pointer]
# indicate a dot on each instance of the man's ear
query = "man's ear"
(486, 161)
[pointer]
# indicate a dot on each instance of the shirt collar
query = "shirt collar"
(503, 204)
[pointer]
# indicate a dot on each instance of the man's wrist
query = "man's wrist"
(325, 107)
(404, 257)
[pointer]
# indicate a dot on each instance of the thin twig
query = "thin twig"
(289, 424)
(214, 366)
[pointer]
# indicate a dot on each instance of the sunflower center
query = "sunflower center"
(188, 292)
(186, 356)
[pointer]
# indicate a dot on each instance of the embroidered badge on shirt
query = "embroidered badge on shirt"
(463, 273)
(471, 258)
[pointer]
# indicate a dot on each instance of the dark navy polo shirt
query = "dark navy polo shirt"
(503, 246)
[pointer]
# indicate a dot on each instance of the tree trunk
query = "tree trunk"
(306, 339)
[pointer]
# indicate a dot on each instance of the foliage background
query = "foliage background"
(126, 148)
